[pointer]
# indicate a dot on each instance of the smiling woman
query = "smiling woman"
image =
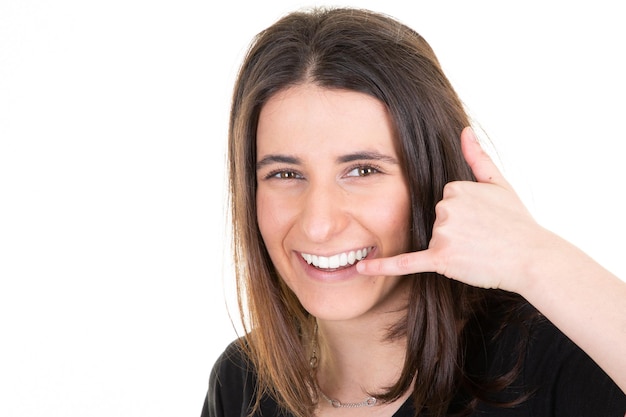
(383, 262)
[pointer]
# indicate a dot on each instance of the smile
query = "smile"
(336, 261)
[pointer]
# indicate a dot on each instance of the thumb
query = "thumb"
(479, 161)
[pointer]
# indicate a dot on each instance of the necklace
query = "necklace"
(368, 402)
(313, 362)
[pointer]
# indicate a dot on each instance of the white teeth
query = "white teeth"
(333, 261)
(351, 257)
(336, 261)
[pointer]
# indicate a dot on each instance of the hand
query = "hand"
(483, 235)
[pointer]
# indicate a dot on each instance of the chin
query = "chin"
(367, 299)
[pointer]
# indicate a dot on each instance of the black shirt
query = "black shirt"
(566, 382)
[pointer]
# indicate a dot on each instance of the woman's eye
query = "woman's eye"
(362, 171)
(285, 175)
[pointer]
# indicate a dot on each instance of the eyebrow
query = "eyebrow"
(367, 156)
(357, 156)
(283, 159)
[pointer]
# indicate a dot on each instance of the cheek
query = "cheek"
(265, 217)
(394, 219)
(273, 219)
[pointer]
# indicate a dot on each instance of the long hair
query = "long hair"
(371, 53)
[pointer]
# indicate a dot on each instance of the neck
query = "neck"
(358, 359)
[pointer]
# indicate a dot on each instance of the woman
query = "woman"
(383, 263)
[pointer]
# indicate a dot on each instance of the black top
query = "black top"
(567, 382)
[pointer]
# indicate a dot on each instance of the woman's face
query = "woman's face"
(331, 190)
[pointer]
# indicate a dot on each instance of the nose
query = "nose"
(324, 212)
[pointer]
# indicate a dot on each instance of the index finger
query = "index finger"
(403, 264)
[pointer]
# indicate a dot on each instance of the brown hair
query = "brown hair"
(374, 54)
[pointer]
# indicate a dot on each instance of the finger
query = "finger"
(482, 166)
(403, 264)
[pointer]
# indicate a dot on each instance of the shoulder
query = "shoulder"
(232, 367)
(560, 378)
(551, 355)
(233, 386)
(574, 380)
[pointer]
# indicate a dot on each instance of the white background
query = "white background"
(113, 121)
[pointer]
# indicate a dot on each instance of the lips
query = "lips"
(338, 260)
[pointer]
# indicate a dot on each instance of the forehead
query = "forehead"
(310, 114)
(340, 102)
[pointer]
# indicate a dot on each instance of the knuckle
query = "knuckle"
(441, 208)
(451, 189)
(403, 262)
